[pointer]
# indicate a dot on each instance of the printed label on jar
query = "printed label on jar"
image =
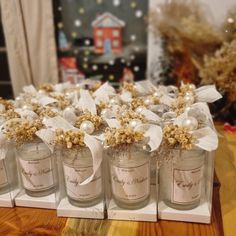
(3, 174)
(130, 183)
(187, 185)
(75, 176)
(37, 174)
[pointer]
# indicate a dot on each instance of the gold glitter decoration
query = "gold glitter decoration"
(10, 114)
(137, 102)
(62, 101)
(7, 104)
(43, 111)
(128, 116)
(47, 87)
(156, 100)
(101, 106)
(179, 105)
(87, 116)
(130, 87)
(22, 131)
(175, 136)
(124, 135)
(185, 88)
(69, 138)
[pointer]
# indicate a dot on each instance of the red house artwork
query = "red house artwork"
(107, 33)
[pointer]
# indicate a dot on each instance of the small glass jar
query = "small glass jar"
(78, 166)
(36, 166)
(130, 176)
(182, 178)
(4, 185)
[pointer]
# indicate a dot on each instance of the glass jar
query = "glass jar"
(130, 176)
(78, 166)
(36, 166)
(182, 178)
(4, 185)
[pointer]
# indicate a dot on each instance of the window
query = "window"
(116, 43)
(5, 82)
(115, 33)
(99, 33)
(99, 43)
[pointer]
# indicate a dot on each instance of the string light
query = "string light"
(94, 67)
(87, 42)
(133, 4)
(77, 23)
(138, 13)
(60, 25)
(81, 10)
(133, 37)
(116, 3)
(111, 77)
(73, 34)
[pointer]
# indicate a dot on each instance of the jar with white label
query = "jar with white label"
(4, 185)
(130, 176)
(182, 178)
(36, 166)
(78, 167)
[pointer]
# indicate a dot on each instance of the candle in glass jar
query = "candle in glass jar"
(182, 178)
(4, 186)
(36, 169)
(130, 176)
(78, 166)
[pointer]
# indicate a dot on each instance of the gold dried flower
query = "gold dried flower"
(69, 138)
(62, 101)
(137, 102)
(22, 131)
(7, 104)
(101, 106)
(10, 114)
(179, 105)
(186, 88)
(130, 115)
(175, 136)
(130, 87)
(47, 87)
(43, 111)
(124, 135)
(88, 116)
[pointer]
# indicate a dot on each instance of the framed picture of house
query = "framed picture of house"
(102, 39)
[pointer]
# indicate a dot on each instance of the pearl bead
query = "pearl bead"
(87, 127)
(44, 119)
(139, 109)
(148, 102)
(192, 86)
(189, 93)
(187, 109)
(106, 113)
(115, 101)
(134, 123)
(18, 98)
(156, 94)
(41, 91)
(190, 123)
(69, 109)
(189, 99)
(26, 107)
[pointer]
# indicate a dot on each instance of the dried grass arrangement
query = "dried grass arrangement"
(195, 49)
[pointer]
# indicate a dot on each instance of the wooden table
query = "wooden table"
(28, 221)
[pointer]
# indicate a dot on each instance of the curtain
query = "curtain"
(30, 40)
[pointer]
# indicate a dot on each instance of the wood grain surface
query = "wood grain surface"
(20, 221)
